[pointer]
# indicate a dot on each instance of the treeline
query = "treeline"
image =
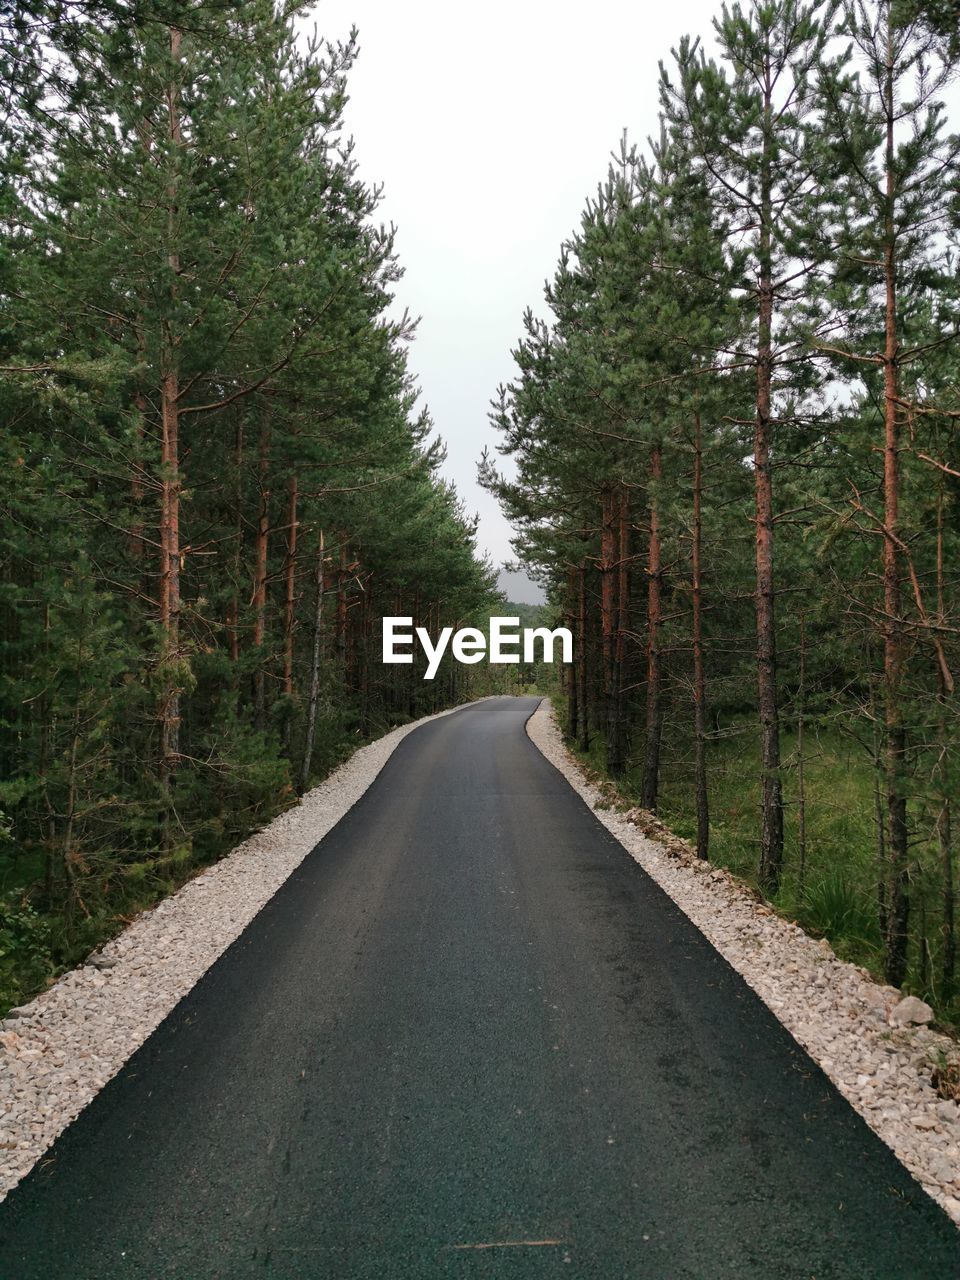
(214, 480)
(735, 456)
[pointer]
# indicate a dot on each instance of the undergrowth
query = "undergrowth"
(832, 891)
(37, 945)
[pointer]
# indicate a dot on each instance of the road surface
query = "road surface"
(469, 1037)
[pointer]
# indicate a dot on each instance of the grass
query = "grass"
(834, 892)
(834, 895)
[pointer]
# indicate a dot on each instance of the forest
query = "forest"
(732, 460)
(215, 477)
(729, 455)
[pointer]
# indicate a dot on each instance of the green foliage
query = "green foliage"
(836, 908)
(26, 959)
(214, 476)
(751, 344)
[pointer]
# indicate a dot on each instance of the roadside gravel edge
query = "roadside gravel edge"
(835, 1010)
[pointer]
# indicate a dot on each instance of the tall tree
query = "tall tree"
(886, 129)
(751, 122)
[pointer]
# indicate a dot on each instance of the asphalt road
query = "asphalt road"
(469, 1037)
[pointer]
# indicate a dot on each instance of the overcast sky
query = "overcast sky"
(488, 126)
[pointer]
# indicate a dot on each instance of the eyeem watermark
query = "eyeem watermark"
(469, 644)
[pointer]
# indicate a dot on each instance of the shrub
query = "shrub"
(26, 958)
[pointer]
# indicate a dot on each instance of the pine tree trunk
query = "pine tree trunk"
(136, 481)
(699, 681)
(413, 672)
(233, 608)
(170, 483)
(583, 739)
(290, 609)
(342, 610)
(608, 586)
(261, 558)
(597, 704)
(771, 834)
(651, 760)
(623, 625)
(944, 823)
(49, 826)
(396, 675)
(363, 662)
(881, 825)
(897, 845)
(140, 401)
(290, 612)
(801, 764)
(352, 675)
(573, 725)
(948, 969)
(314, 669)
(68, 852)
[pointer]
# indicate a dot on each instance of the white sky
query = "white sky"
(489, 125)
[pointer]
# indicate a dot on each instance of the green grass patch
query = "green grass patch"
(832, 891)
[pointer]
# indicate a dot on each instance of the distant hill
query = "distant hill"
(517, 586)
(530, 615)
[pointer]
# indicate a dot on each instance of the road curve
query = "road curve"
(469, 1037)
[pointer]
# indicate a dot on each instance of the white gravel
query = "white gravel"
(833, 1009)
(58, 1051)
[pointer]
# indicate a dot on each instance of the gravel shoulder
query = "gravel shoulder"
(59, 1050)
(833, 1009)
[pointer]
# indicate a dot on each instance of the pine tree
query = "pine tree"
(206, 403)
(751, 123)
(893, 207)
